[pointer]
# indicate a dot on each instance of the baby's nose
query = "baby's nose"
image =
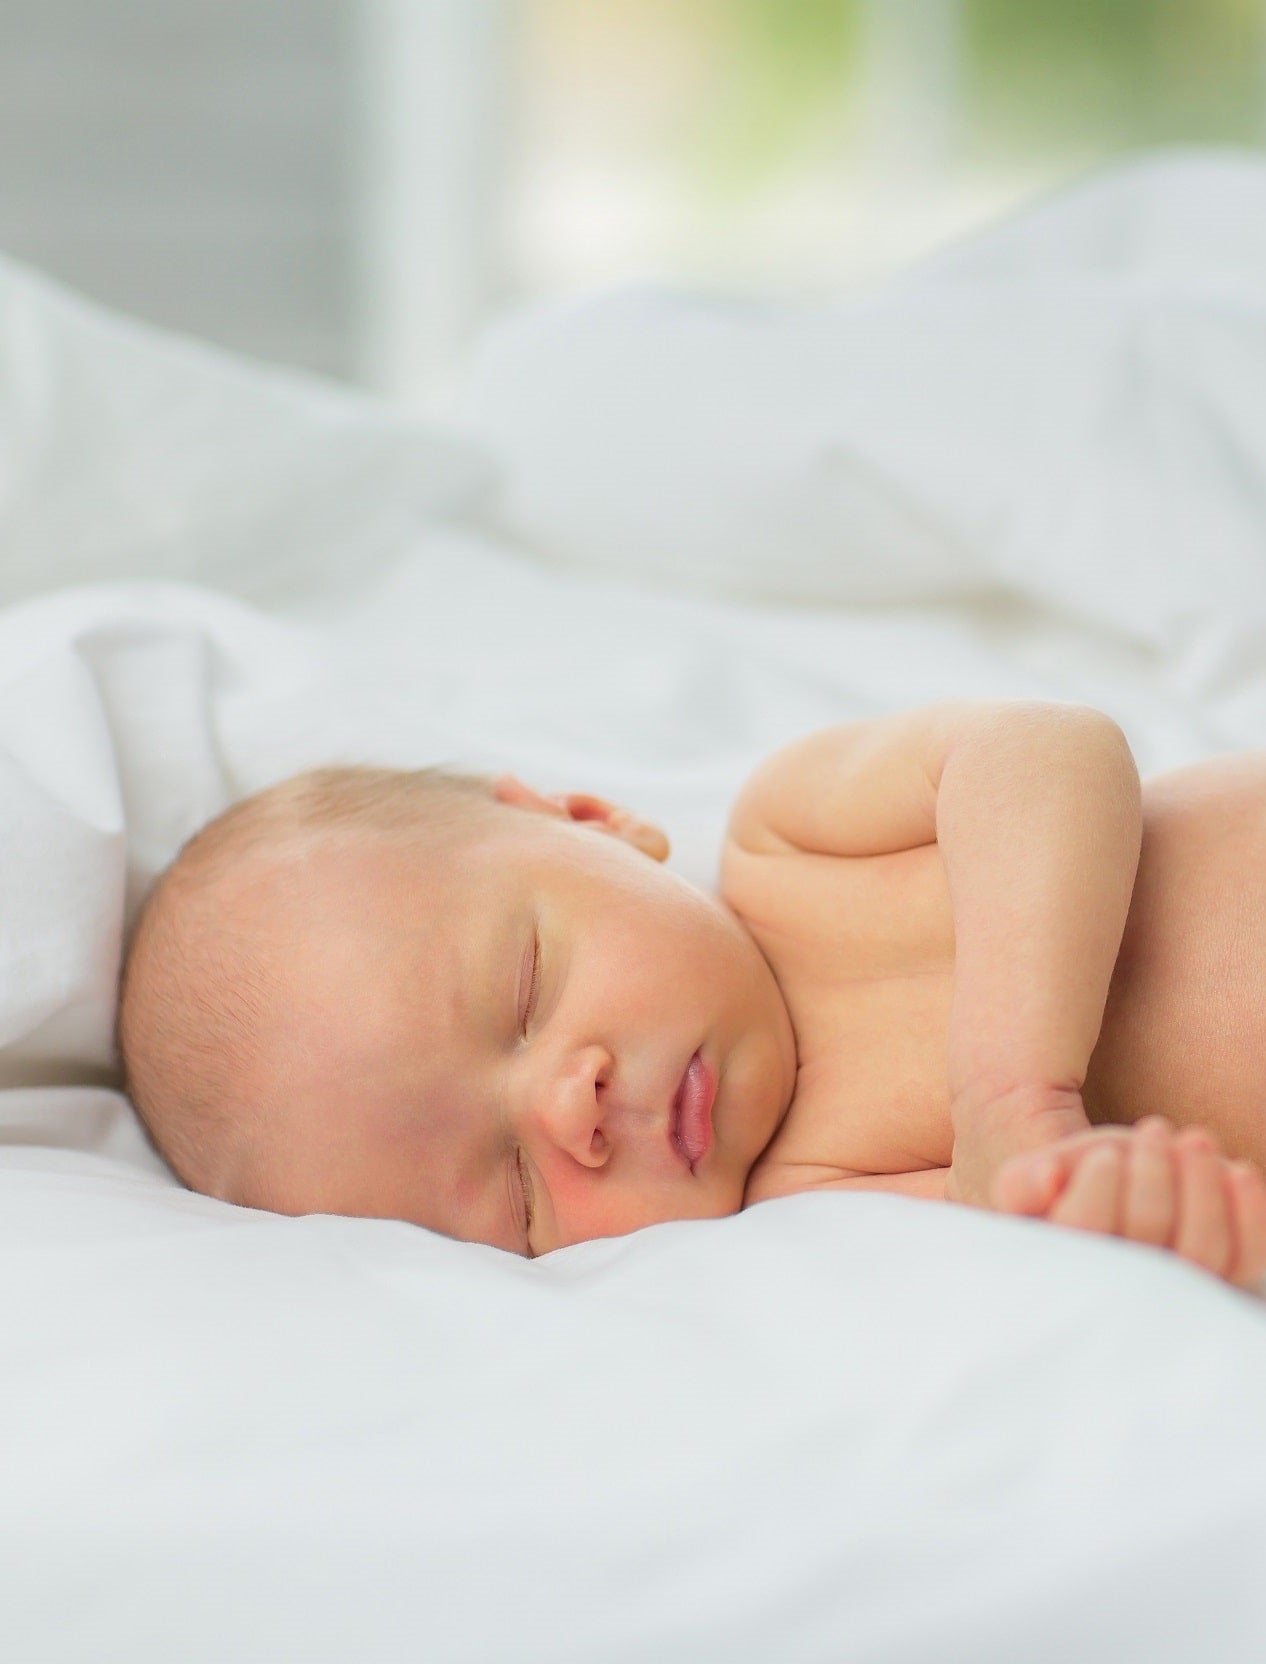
(568, 1105)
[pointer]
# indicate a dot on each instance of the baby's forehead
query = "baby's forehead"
(317, 881)
(315, 890)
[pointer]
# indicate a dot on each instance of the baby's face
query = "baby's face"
(491, 1044)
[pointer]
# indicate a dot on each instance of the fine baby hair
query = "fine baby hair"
(196, 996)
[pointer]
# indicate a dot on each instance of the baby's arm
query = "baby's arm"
(1039, 822)
(1148, 1185)
(1037, 812)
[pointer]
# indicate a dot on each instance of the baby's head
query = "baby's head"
(450, 1000)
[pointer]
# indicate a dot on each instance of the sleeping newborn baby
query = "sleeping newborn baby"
(957, 953)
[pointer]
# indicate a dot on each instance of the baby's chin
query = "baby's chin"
(716, 1197)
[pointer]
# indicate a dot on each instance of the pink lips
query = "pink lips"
(691, 1127)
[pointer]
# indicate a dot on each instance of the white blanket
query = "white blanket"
(830, 1427)
(1069, 410)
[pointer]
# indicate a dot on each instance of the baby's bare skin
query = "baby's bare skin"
(864, 955)
(960, 943)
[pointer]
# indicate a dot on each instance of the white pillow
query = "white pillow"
(129, 452)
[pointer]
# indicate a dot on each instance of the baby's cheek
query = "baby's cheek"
(587, 1206)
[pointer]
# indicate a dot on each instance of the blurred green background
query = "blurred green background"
(358, 185)
(809, 143)
(774, 77)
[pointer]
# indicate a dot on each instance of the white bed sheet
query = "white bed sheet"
(831, 1427)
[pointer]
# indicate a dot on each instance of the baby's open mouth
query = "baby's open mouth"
(690, 1126)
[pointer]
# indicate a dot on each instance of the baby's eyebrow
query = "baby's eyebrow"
(478, 1202)
(492, 973)
(479, 985)
(517, 1239)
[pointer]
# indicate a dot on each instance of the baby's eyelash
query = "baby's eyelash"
(536, 977)
(524, 1186)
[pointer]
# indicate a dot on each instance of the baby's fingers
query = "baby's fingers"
(1248, 1201)
(1092, 1198)
(1150, 1201)
(1204, 1234)
(1028, 1183)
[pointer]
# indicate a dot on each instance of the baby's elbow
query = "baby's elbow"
(1076, 742)
(1105, 753)
(1107, 734)
(1091, 727)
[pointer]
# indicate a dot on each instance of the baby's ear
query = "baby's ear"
(584, 806)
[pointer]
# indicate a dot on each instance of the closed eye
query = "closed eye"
(522, 1211)
(525, 1185)
(532, 971)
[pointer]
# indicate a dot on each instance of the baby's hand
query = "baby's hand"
(989, 1130)
(1148, 1184)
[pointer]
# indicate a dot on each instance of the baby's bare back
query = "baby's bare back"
(864, 953)
(1184, 1032)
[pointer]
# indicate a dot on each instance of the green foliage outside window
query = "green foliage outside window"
(1057, 73)
(1046, 76)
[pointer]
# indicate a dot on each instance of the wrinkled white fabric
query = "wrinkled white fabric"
(126, 450)
(827, 1428)
(1069, 410)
